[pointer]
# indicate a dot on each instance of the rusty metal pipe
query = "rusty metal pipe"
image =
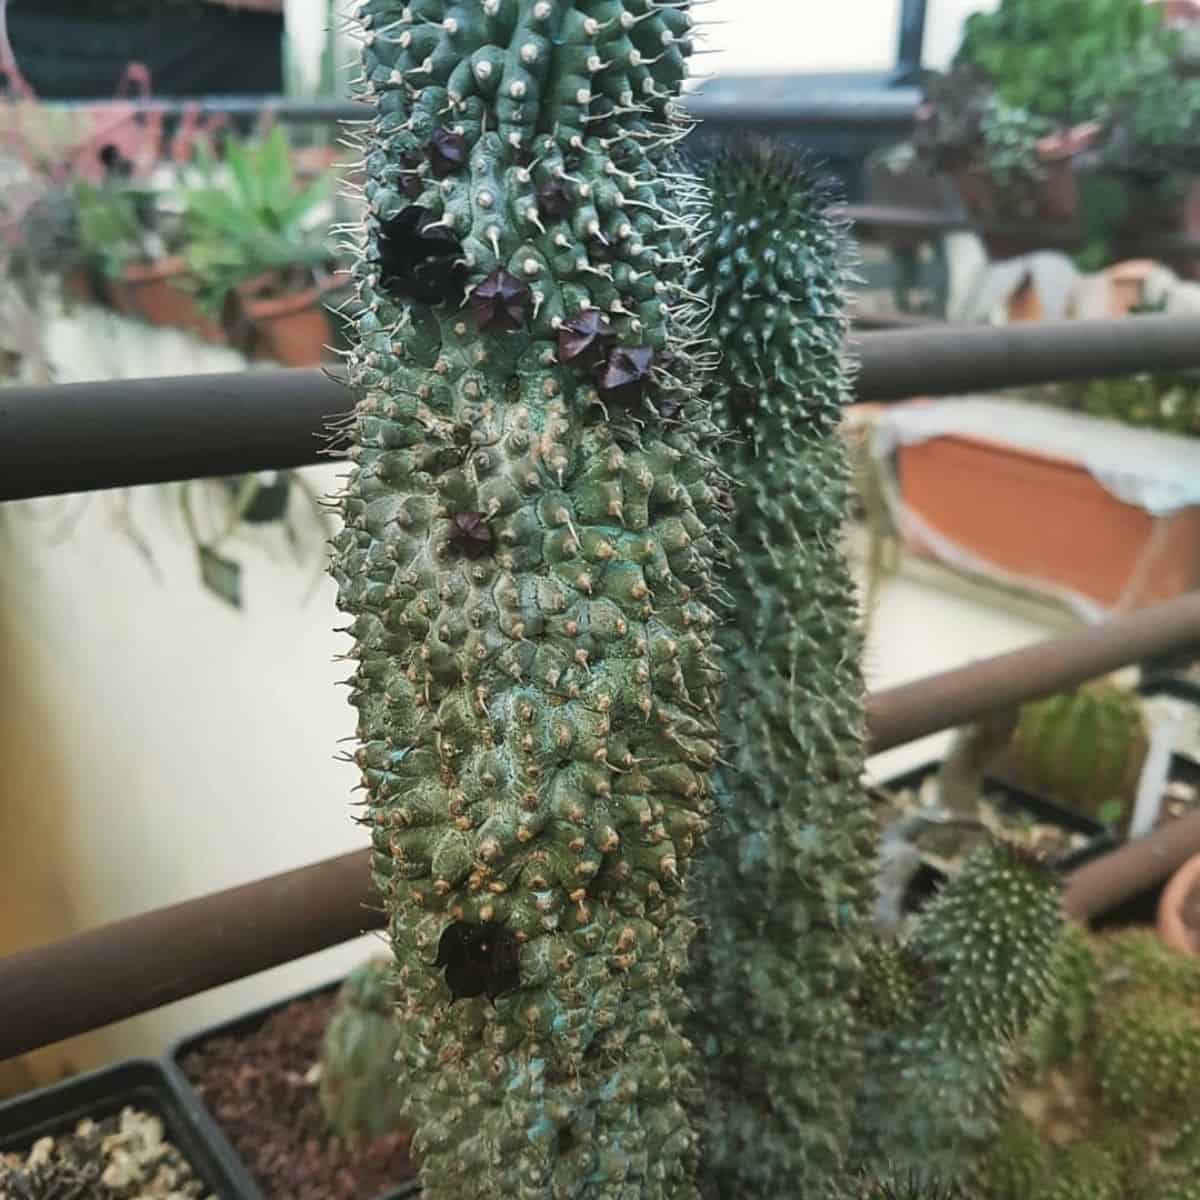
(913, 710)
(1143, 863)
(81, 437)
(114, 971)
(102, 975)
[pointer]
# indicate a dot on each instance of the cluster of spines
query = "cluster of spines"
(529, 534)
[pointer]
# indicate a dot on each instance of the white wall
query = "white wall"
(822, 35)
(156, 744)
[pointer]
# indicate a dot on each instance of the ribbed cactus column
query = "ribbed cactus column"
(526, 558)
(785, 890)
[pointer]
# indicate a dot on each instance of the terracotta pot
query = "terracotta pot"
(1179, 909)
(151, 292)
(1180, 12)
(1047, 520)
(292, 329)
(1125, 280)
(80, 285)
(1149, 216)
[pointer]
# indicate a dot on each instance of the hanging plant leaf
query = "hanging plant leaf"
(222, 576)
(269, 501)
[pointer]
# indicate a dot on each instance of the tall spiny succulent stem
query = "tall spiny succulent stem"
(981, 971)
(785, 891)
(526, 558)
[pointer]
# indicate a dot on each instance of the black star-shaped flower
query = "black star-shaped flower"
(471, 533)
(410, 178)
(419, 262)
(447, 152)
(500, 303)
(582, 333)
(554, 199)
(624, 373)
(479, 960)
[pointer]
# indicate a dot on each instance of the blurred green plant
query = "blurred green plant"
(1049, 57)
(121, 222)
(250, 217)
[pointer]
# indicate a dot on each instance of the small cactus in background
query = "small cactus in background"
(1085, 749)
(527, 562)
(935, 1087)
(784, 893)
(360, 1086)
(1113, 1110)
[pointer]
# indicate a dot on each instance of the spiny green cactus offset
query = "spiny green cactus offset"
(360, 1090)
(1111, 1110)
(527, 559)
(1085, 748)
(936, 1083)
(784, 894)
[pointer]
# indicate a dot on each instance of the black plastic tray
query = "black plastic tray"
(928, 879)
(142, 1083)
(1170, 685)
(242, 1026)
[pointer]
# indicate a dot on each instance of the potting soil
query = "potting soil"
(261, 1088)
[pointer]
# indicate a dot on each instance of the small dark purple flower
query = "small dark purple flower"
(581, 333)
(471, 533)
(669, 407)
(479, 960)
(500, 303)
(600, 249)
(624, 373)
(410, 179)
(447, 152)
(420, 262)
(554, 199)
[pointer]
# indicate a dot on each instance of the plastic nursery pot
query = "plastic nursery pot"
(1178, 918)
(142, 1085)
(154, 292)
(1046, 518)
(248, 1074)
(291, 328)
(1053, 199)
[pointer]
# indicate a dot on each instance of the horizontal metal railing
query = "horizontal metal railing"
(121, 433)
(875, 221)
(106, 974)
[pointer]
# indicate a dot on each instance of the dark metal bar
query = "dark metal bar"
(952, 360)
(1107, 882)
(85, 436)
(796, 99)
(80, 437)
(115, 971)
(872, 220)
(903, 714)
(103, 975)
(911, 43)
